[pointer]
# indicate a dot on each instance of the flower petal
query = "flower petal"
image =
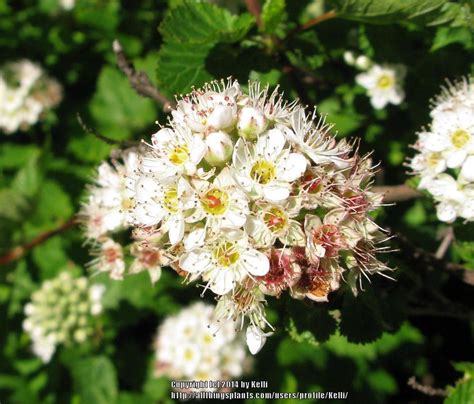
(292, 167)
(276, 192)
(195, 261)
(254, 262)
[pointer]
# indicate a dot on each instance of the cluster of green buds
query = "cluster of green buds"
(62, 312)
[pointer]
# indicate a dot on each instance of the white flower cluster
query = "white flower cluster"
(106, 212)
(383, 83)
(250, 195)
(61, 312)
(192, 346)
(445, 159)
(25, 94)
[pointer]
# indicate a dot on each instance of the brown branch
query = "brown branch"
(430, 312)
(314, 21)
(397, 193)
(419, 256)
(253, 6)
(428, 390)
(445, 243)
(19, 251)
(122, 143)
(139, 80)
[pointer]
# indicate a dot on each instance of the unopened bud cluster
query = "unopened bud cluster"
(247, 193)
(445, 158)
(62, 312)
(26, 93)
(192, 345)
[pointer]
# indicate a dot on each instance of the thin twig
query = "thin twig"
(122, 143)
(314, 21)
(19, 251)
(397, 193)
(445, 243)
(429, 312)
(253, 6)
(428, 390)
(139, 80)
(419, 256)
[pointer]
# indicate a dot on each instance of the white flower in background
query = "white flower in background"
(445, 158)
(61, 312)
(193, 346)
(220, 194)
(26, 93)
(384, 84)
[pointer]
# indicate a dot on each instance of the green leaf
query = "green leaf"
(466, 367)
(50, 257)
(15, 155)
(23, 286)
(13, 204)
(385, 11)
(458, 35)
(129, 398)
(463, 393)
(95, 380)
(361, 319)
(52, 203)
(273, 14)
(117, 109)
(190, 31)
(28, 178)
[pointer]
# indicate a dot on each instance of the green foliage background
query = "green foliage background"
(369, 345)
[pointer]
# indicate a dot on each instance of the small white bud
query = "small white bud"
(219, 148)
(363, 62)
(349, 58)
(251, 123)
(80, 335)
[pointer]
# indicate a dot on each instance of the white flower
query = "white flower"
(164, 203)
(225, 262)
(174, 151)
(267, 168)
(191, 345)
(314, 140)
(25, 94)
(110, 259)
(212, 109)
(109, 200)
(221, 203)
(452, 134)
(383, 84)
(273, 221)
